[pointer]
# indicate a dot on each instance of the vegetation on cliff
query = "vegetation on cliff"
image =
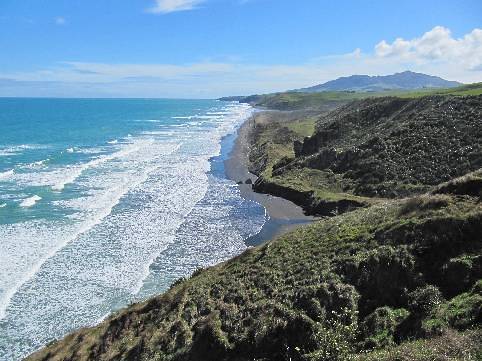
(366, 280)
(395, 272)
(378, 147)
(326, 100)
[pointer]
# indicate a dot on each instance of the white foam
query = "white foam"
(148, 120)
(105, 203)
(29, 202)
(7, 174)
(115, 141)
(158, 132)
(70, 150)
(3, 205)
(218, 113)
(209, 117)
(106, 251)
(16, 149)
(77, 171)
(37, 164)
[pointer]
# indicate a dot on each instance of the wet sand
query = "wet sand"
(283, 214)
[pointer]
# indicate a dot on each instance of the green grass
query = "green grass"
(273, 147)
(451, 346)
(397, 280)
(292, 100)
(464, 90)
(304, 127)
(318, 293)
(328, 100)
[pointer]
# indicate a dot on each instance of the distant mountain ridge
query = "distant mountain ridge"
(406, 80)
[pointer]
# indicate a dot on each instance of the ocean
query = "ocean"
(104, 202)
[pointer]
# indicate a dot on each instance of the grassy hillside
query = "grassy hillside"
(371, 279)
(330, 99)
(395, 272)
(463, 90)
(272, 149)
(293, 100)
(370, 149)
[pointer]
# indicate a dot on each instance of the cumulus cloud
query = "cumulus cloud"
(170, 6)
(437, 44)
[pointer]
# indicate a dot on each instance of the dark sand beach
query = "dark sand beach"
(283, 214)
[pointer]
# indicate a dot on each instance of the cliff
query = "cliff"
(393, 271)
(370, 279)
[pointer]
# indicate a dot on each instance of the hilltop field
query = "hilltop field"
(392, 270)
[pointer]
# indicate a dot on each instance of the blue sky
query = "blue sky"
(209, 48)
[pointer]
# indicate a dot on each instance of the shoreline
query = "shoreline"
(282, 215)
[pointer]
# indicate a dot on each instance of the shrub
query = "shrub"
(464, 310)
(378, 328)
(423, 203)
(459, 273)
(383, 277)
(209, 341)
(337, 338)
(424, 299)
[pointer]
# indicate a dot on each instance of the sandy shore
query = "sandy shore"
(283, 214)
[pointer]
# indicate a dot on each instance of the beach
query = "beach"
(283, 215)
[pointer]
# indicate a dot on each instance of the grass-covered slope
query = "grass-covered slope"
(271, 148)
(401, 272)
(394, 147)
(370, 149)
(327, 100)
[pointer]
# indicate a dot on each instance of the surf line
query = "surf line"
(117, 192)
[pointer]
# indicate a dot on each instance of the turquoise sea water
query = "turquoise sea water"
(107, 201)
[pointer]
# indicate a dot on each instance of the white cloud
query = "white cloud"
(60, 20)
(170, 6)
(434, 53)
(436, 45)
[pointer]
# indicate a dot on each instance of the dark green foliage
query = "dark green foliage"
(396, 147)
(378, 328)
(324, 292)
(372, 148)
(459, 273)
(470, 184)
(424, 299)
(209, 341)
(282, 162)
(383, 277)
(465, 310)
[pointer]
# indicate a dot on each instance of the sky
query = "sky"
(212, 48)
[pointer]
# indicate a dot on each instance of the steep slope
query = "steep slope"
(406, 80)
(382, 147)
(369, 279)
